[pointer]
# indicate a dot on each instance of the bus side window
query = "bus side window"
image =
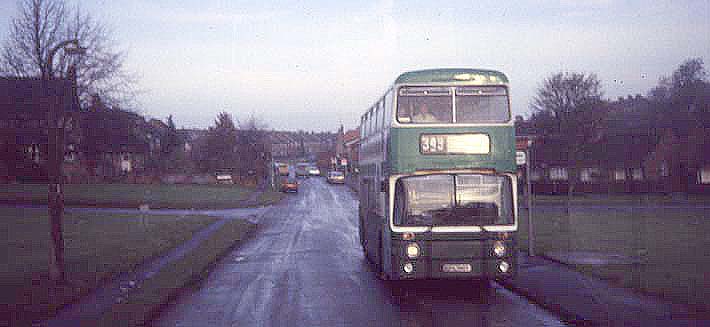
(369, 122)
(362, 128)
(364, 125)
(382, 114)
(377, 119)
(388, 108)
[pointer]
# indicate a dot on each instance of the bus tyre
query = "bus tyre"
(361, 234)
(381, 274)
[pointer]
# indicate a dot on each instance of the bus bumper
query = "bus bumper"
(454, 259)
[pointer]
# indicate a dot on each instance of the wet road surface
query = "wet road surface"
(305, 267)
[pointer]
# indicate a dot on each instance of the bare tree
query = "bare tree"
(570, 107)
(34, 48)
(253, 148)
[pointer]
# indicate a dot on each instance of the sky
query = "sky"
(314, 65)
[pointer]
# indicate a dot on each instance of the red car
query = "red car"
(336, 177)
(289, 185)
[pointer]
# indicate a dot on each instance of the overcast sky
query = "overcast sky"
(314, 65)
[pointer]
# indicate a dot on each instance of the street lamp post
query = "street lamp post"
(531, 229)
(55, 135)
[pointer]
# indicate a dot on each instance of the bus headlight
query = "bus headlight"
(413, 250)
(503, 267)
(408, 267)
(499, 248)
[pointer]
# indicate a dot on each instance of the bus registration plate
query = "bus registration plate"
(456, 267)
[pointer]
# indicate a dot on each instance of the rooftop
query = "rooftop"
(454, 75)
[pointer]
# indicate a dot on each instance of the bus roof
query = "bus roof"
(444, 75)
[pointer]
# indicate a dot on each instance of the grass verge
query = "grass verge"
(98, 246)
(669, 248)
(623, 199)
(133, 195)
(143, 304)
(269, 197)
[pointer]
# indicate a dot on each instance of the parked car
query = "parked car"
(302, 170)
(314, 171)
(289, 184)
(336, 177)
(224, 178)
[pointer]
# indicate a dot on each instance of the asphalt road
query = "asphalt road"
(305, 267)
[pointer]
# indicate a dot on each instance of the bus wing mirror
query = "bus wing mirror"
(384, 186)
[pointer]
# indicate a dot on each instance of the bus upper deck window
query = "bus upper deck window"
(424, 105)
(482, 104)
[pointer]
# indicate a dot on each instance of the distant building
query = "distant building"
(24, 106)
(292, 145)
(351, 146)
(283, 145)
(628, 156)
(115, 143)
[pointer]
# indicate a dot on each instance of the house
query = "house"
(314, 143)
(351, 149)
(628, 156)
(700, 165)
(682, 164)
(155, 132)
(114, 143)
(291, 145)
(24, 122)
(283, 145)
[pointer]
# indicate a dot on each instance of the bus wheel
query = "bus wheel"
(361, 233)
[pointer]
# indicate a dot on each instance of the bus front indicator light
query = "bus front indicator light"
(408, 267)
(499, 249)
(413, 250)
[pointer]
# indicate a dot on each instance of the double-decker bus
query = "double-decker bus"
(437, 186)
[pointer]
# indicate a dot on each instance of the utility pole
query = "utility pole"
(55, 97)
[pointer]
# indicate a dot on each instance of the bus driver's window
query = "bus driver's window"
(423, 114)
(405, 116)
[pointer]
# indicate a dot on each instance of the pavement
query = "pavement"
(305, 267)
(587, 301)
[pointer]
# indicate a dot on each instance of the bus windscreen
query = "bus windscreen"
(453, 200)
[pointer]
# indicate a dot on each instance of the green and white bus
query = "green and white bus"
(437, 185)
